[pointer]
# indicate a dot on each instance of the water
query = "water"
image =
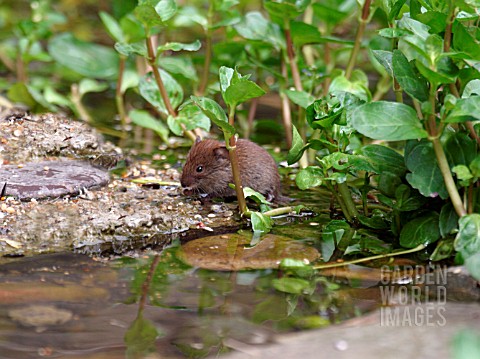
(68, 305)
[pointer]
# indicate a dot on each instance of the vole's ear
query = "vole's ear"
(198, 139)
(220, 153)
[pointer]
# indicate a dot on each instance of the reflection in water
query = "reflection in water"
(66, 305)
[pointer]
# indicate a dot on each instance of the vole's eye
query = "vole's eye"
(200, 169)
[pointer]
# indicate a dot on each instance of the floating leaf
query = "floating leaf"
(291, 285)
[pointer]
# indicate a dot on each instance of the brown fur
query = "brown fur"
(258, 170)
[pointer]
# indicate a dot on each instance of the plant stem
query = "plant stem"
(237, 179)
(251, 116)
(77, 102)
(146, 284)
(291, 58)
(119, 95)
(286, 112)
(347, 198)
(367, 259)
(340, 202)
(442, 158)
(278, 211)
(208, 52)
(152, 59)
(358, 38)
(308, 49)
(448, 178)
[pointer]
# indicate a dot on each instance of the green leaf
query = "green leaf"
(426, 175)
(237, 88)
(178, 46)
(149, 90)
(357, 86)
(388, 183)
(256, 196)
(464, 41)
(408, 200)
(225, 75)
(131, 79)
(333, 12)
(254, 26)
(90, 85)
(385, 58)
(384, 159)
(179, 65)
(303, 33)
(29, 96)
(297, 267)
(472, 88)
(215, 113)
(448, 219)
(460, 149)
(153, 12)
(443, 250)
(87, 59)
(389, 121)
(260, 222)
(297, 149)
(332, 234)
(165, 8)
(421, 230)
(112, 26)
(343, 161)
(283, 10)
(467, 241)
(144, 119)
(300, 98)
(192, 117)
(291, 285)
(463, 173)
(391, 33)
(309, 177)
(411, 83)
(466, 342)
(137, 48)
(466, 109)
(140, 338)
(392, 8)
(375, 222)
(147, 15)
(475, 166)
(473, 266)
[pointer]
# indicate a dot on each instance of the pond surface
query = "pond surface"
(152, 304)
(63, 305)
